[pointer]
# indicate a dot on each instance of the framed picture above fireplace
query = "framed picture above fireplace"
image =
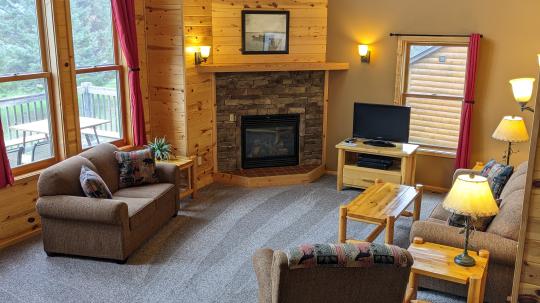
(265, 32)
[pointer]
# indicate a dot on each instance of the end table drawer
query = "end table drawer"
(365, 177)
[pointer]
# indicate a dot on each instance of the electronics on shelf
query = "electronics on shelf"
(381, 124)
(374, 161)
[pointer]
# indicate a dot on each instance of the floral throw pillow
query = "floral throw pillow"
(93, 185)
(136, 168)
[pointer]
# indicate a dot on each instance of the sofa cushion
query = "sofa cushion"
(93, 185)
(507, 222)
(63, 178)
(136, 168)
(102, 156)
(517, 180)
(440, 213)
(497, 175)
(153, 191)
(140, 210)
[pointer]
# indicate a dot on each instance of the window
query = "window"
(24, 86)
(431, 79)
(98, 72)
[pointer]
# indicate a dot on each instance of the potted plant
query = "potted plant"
(161, 148)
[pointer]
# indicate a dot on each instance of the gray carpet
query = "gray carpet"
(203, 255)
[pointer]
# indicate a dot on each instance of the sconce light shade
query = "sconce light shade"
(364, 52)
(522, 89)
(205, 51)
(202, 53)
(363, 49)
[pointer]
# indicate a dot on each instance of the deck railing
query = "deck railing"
(94, 102)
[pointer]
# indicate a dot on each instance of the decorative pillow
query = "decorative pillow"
(136, 168)
(497, 175)
(480, 224)
(92, 184)
(347, 255)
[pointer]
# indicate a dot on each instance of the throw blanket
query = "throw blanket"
(347, 255)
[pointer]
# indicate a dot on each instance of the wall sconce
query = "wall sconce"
(364, 52)
(202, 53)
(522, 89)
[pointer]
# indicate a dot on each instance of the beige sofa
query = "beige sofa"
(76, 225)
(280, 284)
(500, 239)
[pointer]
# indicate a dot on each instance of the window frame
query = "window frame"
(402, 78)
(45, 74)
(118, 66)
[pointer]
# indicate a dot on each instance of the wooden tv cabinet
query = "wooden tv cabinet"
(351, 175)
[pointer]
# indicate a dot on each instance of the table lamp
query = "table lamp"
(511, 129)
(471, 197)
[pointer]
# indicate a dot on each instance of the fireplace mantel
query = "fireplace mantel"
(272, 67)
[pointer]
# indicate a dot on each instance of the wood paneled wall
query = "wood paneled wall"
(165, 52)
(527, 273)
(308, 25)
(200, 95)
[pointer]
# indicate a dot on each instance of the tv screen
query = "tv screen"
(381, 122)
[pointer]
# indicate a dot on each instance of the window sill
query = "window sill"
(19, 179)
(436, 153)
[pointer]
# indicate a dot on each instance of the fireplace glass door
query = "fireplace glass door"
(269, 140)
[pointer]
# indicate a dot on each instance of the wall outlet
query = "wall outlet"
(199, 160)
(232, 117)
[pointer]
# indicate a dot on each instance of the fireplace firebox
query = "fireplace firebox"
(270, 140)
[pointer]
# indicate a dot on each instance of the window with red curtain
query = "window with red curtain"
(27, 136)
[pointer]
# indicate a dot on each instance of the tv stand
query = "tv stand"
(351, 175)
(379, 143)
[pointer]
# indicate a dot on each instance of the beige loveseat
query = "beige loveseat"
(500, 239)
(76, 225)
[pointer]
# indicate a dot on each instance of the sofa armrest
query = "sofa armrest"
(168, 173)
(104, 211)
(501, 250)
(464, 171)
(262, 264)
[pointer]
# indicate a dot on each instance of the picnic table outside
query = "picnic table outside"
(42, 127)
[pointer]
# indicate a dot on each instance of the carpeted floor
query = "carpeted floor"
(203, 255)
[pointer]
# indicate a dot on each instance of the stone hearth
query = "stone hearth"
(269, 93)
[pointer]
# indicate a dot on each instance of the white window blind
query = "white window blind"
(434, 88)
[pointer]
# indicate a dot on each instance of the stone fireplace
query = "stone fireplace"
(255, 102)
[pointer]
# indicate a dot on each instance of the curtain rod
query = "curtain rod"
(428, 35)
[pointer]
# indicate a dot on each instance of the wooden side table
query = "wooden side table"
(188, 164)
(437, 261)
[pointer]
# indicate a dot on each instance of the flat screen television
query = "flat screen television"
(384, 123)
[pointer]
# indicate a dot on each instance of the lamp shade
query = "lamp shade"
(363, 49)
(511, 129)
(471, 196)
(205, 51)
(522, 89)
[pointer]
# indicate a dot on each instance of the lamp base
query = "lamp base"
(464, 260)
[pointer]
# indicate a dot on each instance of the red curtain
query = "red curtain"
(464, 144)
(6, 176)
(124, 21)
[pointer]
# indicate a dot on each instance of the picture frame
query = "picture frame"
(265, 32)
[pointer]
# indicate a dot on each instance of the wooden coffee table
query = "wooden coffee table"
(437, 261)
(380, 204)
